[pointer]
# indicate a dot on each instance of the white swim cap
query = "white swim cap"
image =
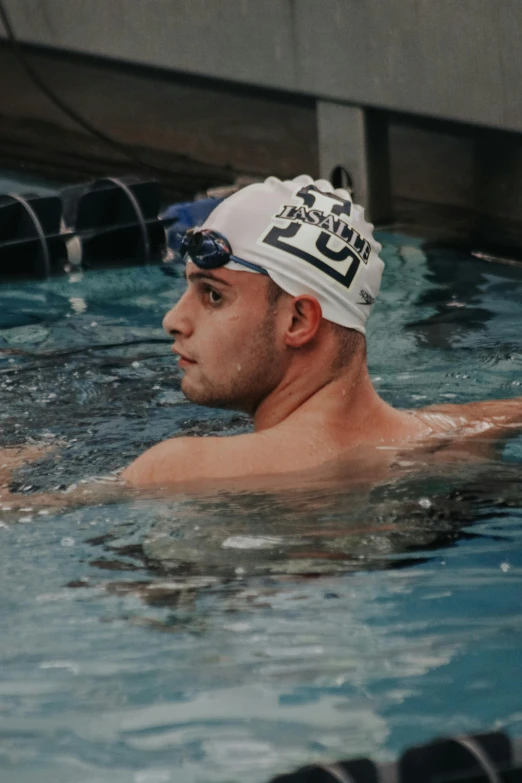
(310, 238)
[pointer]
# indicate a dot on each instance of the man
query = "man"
(280, 281)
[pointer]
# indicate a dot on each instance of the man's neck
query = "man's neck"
(320, 391)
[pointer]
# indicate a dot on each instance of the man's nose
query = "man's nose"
(178, 320)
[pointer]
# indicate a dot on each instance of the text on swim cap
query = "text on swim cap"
(320, 234)
(331, 224)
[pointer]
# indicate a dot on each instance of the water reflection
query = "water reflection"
(269, 659)
(456, 295)
(180, 548)
(462, 290)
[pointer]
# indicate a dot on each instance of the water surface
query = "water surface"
(238, 633)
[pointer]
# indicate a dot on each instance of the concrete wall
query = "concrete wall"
(247, 134)
(452, 59)
(346, 82)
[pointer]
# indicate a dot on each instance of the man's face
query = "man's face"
(226, 335)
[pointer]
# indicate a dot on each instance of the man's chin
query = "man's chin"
(189, 391)
(207, 397)
(196, 394)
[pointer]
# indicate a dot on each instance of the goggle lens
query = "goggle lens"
(207, 249)
(210, 250)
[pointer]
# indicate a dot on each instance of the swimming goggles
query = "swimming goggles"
(210, 250)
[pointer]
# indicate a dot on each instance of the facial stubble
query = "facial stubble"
(245, 382)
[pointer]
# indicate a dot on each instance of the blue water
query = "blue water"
(236, 635)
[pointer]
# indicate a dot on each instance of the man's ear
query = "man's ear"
(306, 315)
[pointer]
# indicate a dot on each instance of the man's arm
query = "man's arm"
(12, 458)
(177, 461)
(482, 426)
(104, 489)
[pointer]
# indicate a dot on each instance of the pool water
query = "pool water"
(235, 634)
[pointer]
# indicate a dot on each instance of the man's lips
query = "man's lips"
(183, 360)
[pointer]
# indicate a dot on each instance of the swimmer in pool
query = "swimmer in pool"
(281, 279)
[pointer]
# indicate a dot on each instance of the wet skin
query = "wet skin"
(280, 365)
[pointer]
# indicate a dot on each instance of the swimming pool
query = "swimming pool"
(233, 635)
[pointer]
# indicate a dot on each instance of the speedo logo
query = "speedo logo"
(367, 298)
(329, 223)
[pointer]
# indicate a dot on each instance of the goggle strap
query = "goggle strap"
(253, 267)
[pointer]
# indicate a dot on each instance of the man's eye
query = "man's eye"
(214, 296)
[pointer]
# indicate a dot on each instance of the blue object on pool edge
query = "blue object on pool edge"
(187, 215)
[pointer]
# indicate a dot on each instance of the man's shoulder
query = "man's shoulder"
(186, 459)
